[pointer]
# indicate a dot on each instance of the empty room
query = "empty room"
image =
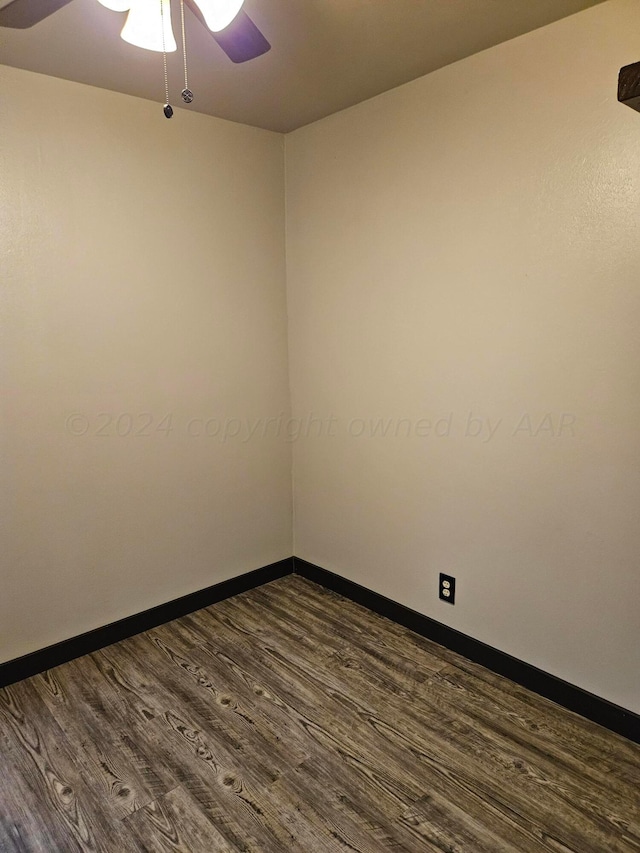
(320, 426)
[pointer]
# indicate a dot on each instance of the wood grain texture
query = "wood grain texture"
(174, 823)
(291, 719)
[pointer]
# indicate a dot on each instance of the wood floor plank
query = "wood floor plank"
(327, 719)
(254, 620)
(22, 827)
(348, 803)
(390, 653)
(583, 823)
(123, 780)
(560, 729)
(200, 764)
(58, 786)
(221, 686)
(317, 820)
(174, 823)
(504, 720)
(533, 726)
(212, 706)
(506, 772)
(352, 793)
(436, 823)
(173, 708)
(368, 626)
(289, 719)
(382, 761)
(221, 767)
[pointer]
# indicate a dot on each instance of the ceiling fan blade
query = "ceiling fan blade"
(241, 40)
(21, 14)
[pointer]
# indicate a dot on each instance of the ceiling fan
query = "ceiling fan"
(231, 27)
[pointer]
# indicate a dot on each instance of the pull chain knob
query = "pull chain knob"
(187, 94)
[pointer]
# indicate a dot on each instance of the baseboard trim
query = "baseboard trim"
(84, 644)
(594, 708)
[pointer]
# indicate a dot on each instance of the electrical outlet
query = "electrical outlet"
(447, 589)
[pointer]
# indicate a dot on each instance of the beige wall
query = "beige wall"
(142, 274)
(467, 245)
(462, 257)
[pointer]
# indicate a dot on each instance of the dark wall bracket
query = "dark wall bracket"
(629, 86)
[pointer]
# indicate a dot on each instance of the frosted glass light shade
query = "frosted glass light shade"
(144, 24)
(117, 5)
(219, 13)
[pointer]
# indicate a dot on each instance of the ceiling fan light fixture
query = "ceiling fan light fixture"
(218, 14)
(117, 5)
(144, 25)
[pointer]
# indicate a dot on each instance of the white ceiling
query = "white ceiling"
(326, 54)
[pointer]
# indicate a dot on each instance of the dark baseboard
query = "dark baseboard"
(31, 664)
(594, 708)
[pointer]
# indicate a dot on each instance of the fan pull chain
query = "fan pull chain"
(168, 109)
(187, 94)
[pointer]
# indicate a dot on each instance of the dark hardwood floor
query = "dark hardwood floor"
(290, 719)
